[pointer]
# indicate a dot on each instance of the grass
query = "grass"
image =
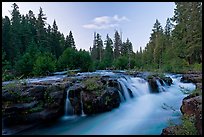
(93, 83)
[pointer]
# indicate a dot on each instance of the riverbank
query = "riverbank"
(191, 109)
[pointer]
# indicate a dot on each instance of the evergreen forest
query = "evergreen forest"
(32, 47)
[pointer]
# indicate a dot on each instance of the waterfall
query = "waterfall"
(124, 88)
(68, 107)
(160, 87)
(82, 110)
(133, 87)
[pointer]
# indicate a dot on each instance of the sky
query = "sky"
(134, 20)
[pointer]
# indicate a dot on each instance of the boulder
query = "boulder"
(193, 107)
(194, 78)
(190, 106)
(153, 85)
(168, 80)
(96, 104)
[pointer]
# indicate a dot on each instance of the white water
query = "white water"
(68, 107)
(33, 80)
(145, 114)
(82, 109)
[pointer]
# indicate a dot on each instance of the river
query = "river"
(145, 114)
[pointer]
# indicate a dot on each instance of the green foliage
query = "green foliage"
(197, 92)
(174, 49)
(196, 67)
(121, 62)
(93, 83)
(44, 63)
(67, 59)
(187, 127)
(6, 75)
(83, 61)
(73, 59)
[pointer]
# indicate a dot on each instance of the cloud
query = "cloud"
(105, 22)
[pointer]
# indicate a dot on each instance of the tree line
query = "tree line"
(29, 48)
(175, 48)
(32, 47)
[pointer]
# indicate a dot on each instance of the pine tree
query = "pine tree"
(6, 38)
(117, 45)
(41, 31)
(158, 41)
(187, 35)
(69, 42)
(55, 48)
(16, 44)
(108, 55)
(97, 50)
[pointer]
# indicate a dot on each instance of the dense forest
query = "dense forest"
(31, 47)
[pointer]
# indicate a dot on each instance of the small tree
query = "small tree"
(45, 63)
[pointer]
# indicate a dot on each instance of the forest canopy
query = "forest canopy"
(32, 48)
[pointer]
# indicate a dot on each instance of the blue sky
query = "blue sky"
(134, 19)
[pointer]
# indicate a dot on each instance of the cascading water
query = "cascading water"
(145, 114)
(160, 87)
(133, 87)
(68, 107)
(82, 109)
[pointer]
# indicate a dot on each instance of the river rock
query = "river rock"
(168, 80)
(194, 78)
(153, 85)
(193, 107)
(96, 104)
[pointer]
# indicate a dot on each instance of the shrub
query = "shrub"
(44, 63)
(188, 126)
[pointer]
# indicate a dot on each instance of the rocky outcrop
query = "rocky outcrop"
(27, 103)
(108, 100)
(193, 107)
(195, 77)
(95, 95)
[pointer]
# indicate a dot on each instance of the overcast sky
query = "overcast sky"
(134, 19)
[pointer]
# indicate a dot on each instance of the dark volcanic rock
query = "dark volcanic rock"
(96, 104)
(153, 85)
